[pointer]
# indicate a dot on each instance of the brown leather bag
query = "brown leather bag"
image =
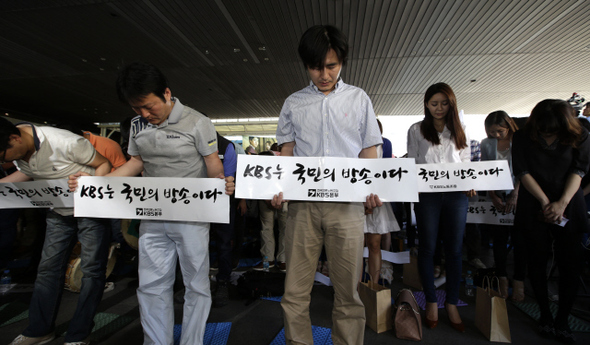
(407, 321)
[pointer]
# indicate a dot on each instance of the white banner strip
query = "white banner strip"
(458, 177)
(50, 193)
(394, 258)
(484, 212)
(326, 178)
(153, 198)
(320, 278)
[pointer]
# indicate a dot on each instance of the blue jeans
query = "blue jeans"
(8, 219)
(446, 212)
(62, 233)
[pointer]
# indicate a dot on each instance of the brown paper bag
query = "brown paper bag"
(411, 274)
(377, 301)
(491, 315)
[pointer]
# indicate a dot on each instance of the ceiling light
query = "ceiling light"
(448, 39)
(262, 48)
(266, 59)
(103, 59)
(102, 69)
(84, 60)
(6, 114)
(206, 52)
(245, 60)
(236, 50)
(420, 41)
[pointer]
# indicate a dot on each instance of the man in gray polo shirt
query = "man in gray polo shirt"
(168, 139)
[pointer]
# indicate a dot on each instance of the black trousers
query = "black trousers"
(224, 234)
(500, 235)
(564, 244)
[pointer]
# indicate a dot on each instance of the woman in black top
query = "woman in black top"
(550, 157)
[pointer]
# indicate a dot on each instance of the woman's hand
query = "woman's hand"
(511, 202)
(470, 193)
(554, 211)
(498, 204)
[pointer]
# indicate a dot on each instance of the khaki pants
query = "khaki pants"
(339, 227)
(267, 234)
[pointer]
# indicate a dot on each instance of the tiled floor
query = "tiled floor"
(259, 323)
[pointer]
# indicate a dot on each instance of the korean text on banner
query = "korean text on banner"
(458, 177)
(484, 212)
(48, 193)
(154, 198)
(326, 178)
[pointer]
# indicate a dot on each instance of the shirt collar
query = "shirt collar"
(545, 146)
(175, 114)
(337, 88)
(36, 138)
(176, 111)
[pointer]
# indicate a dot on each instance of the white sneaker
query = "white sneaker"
(477, 263)
(24, 340)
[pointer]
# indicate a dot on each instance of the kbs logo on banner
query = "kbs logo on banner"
(42, 203)
(322, 193)
(148, 212)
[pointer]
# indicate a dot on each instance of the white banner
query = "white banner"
(393, 257)
(459, 177)
(153, 198)
(326, 178)
(484, 212)
(50, 193)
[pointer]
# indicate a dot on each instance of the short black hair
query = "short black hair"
(137, 80)
(317, 41)
(7, 129)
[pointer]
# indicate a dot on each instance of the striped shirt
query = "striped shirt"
(340, 124)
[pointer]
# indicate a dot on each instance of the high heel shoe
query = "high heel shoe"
(459, 327)
(431, 323)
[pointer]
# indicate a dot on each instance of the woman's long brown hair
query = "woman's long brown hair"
(452, 120)
(502, 119)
